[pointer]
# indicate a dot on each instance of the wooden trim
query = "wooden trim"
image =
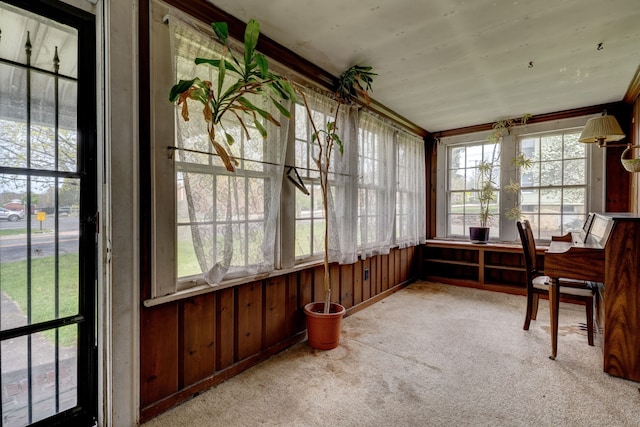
(382, 295)
(537, 118)
(207, 12)
(633, 91)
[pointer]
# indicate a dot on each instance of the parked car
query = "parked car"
(62, 210)
(16, 205)
(10, 215)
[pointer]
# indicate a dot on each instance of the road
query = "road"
(14, 247)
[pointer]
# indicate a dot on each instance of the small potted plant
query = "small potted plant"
(324, 319)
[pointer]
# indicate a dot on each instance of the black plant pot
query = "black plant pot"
(479, 234)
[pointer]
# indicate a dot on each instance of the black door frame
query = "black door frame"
(86, 411)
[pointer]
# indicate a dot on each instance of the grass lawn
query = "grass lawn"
(13, 281)
(17, 231)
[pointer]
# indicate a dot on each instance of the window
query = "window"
(210, 225)
(553, 192)
(226, 221)
(464, 184)
(309, 229)
(376, 186)
(564, 183)
(410, 193)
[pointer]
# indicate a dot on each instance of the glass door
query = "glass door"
(47, 215)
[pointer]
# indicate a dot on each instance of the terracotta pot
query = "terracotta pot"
(323, 330)
(479, 234)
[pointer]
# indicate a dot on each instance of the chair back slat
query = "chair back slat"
(529, 250)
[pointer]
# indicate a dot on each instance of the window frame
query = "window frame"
(508, 232)
(540, 187)
(164, 218)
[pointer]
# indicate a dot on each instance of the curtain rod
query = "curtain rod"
(172, 148)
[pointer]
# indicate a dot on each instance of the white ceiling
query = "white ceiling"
(445, 64)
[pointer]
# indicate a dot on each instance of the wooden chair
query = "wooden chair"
(538, 283)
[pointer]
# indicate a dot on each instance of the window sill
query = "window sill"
(201, 287)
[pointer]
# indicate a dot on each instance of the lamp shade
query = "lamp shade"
(601, 129)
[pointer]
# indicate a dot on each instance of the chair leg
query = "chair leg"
(534, 309)
(527, 316)
(589, 304)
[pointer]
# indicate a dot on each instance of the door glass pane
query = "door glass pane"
(41, 368)
(39, 221)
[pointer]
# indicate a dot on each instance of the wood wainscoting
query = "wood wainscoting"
(190, 345)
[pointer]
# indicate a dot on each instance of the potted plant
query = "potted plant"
(324, 319)
(486, 179)
(230, 95)
(520, 161)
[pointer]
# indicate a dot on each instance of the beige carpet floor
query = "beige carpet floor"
(429, 355)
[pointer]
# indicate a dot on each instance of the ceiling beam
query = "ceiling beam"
(539, 118)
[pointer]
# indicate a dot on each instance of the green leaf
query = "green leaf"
(246, 103)
(280, 108)
(222, 31)
(215, 63)
(182, 86)
(331, 126)
(260, 128)
(288, 88)
(251, 34)
(221, 74)
(263, 64)
(230, 139)
(231, 92)
(337, 140)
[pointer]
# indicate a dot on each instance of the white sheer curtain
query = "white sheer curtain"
(411, 191)
(227, 222)
(376, 186)
(342, 200)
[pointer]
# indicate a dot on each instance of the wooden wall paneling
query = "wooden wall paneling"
(384, 271)
(198, 337)
(404, 265)
(334, 276)
(413, 261)
(346, 285)
(305, 287)
(392, 268)
(398, 267)
(376, 284)
(294, 321)
(366, 279)
(248, 319)
(275, 310)
(225, 328)
(318, 284)
(158, 353)
(357, 282)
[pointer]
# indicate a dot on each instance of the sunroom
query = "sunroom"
(182, 274)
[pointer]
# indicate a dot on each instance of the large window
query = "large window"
(465, 181)
(376, 187)
(410, 191)
(226, 221)
(553, 191)
(210, 225)
(309, 229)
(563, 183)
